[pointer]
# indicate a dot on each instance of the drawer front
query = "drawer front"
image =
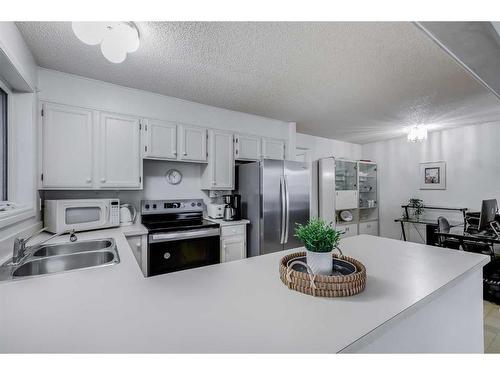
(349, 230)
(232, 230)
(369, 228)
(346, 199)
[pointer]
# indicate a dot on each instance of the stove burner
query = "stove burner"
(174, 215)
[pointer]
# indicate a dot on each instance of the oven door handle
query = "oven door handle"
(183, 235)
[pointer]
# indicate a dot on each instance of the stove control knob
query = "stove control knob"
(147, 207)
(199, 204)
(154, 206)
(193, 204)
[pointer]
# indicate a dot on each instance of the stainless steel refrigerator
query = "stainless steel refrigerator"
(274, 197)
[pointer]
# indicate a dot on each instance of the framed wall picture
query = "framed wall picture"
(433, 176)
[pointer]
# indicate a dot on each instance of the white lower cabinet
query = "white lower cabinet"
(218, 174)
(369, 227)
(139, 246)
(349, 230)
(233, 243)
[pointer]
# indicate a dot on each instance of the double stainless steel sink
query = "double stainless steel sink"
(62, 257)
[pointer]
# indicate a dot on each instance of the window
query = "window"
(3, 145)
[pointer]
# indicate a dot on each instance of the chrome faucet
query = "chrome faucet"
(20, 247)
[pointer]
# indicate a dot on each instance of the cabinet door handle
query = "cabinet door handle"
(103, 180)
(184, 153)
(88, 180)
(138, 244)
(174, 153)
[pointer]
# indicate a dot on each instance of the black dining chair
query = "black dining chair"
(443, 241)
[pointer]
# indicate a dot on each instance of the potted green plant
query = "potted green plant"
(319, 239)
(418, 207)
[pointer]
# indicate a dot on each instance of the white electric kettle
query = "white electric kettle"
(128, 214)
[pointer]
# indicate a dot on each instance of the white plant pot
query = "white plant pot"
(320, 263)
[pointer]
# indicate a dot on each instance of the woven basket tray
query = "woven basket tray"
(321, 285)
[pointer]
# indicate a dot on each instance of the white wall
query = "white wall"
(23, 75)
(155, 185)
(472, 156)
(18, 71)
(79, 91)
(324, 147)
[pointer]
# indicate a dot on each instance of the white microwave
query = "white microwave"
(81, 214)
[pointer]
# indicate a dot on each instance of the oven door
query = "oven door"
(175, 251)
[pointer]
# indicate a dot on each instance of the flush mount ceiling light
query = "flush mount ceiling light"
(116, 38)
(417, 133)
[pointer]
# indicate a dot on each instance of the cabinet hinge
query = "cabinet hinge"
(146, 127)
(41, 177)
(42, 112)
(140, 126)
(146, 148)
(140, 179)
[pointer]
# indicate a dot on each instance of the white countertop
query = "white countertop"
(223, 223)
(239, 306)
(136, 229)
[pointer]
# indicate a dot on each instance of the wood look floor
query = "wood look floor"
(491, 328)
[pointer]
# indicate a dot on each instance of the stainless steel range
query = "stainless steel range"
(178, 236)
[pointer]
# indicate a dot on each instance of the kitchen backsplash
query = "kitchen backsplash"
(156, 186)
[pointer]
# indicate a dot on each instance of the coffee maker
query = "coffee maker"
(232, 210)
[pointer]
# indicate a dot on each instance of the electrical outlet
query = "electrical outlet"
(215, 193)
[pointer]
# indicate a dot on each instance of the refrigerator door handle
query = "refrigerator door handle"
(287, 209)
(283, 209)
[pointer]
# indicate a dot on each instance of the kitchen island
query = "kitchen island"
(418, 298)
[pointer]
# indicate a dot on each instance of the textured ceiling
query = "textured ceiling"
(357, 82)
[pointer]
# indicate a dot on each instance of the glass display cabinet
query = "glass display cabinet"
(348, 195)
(346, 184)
(346, 178)
(367, 176)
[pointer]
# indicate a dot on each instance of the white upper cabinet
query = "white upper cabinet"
(67, 140)
(273, 148)
(247, 147)
(192, 143)
(120, 163)
(219, 173)
(160, 141)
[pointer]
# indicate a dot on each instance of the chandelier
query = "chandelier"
(417, 133)
(116, 38)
